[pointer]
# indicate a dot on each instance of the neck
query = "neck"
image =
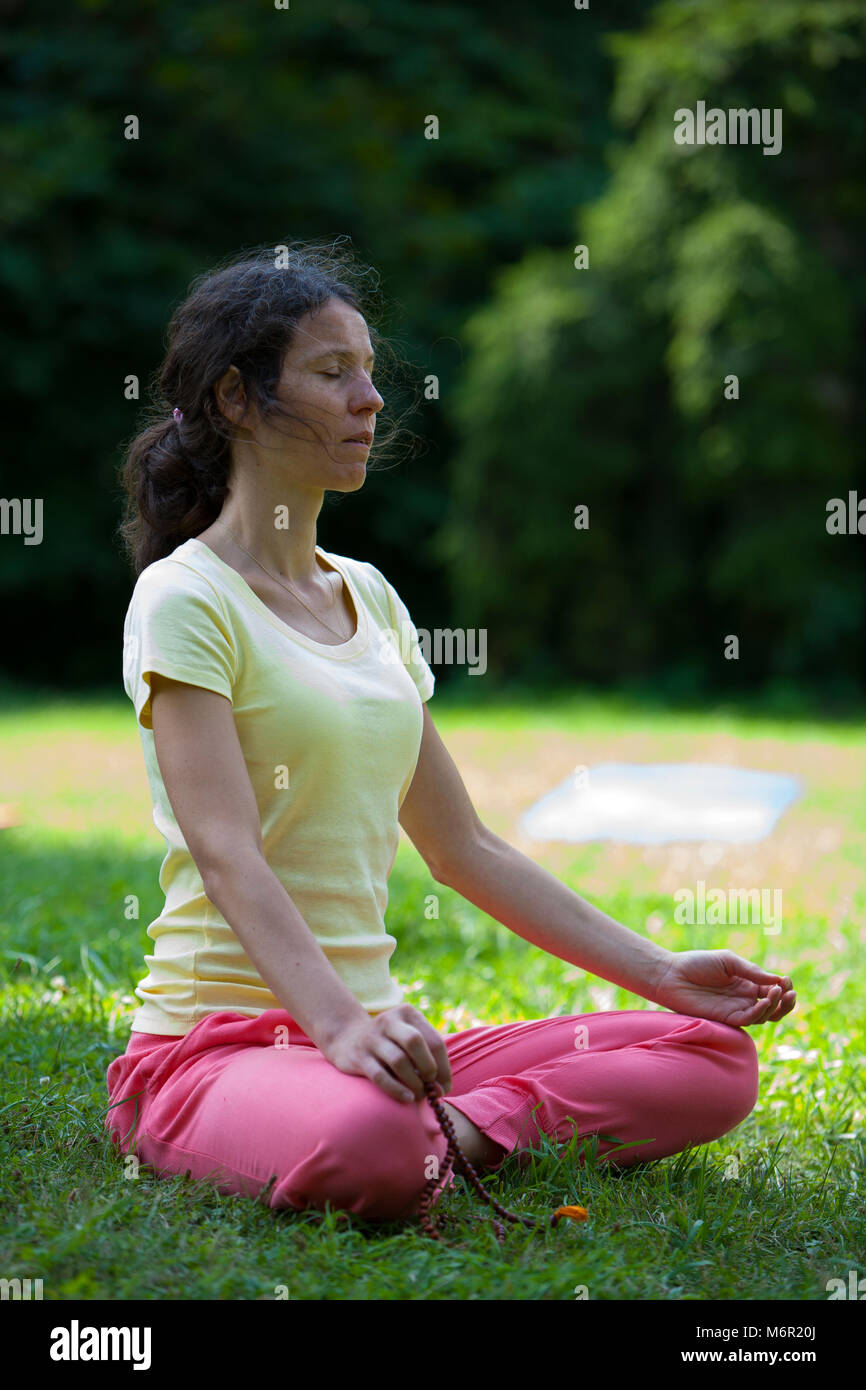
(277, 525)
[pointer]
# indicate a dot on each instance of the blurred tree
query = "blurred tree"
(605, 386)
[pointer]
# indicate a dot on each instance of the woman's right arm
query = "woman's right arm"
(207, 783)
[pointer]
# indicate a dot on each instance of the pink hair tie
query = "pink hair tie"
(178, 414)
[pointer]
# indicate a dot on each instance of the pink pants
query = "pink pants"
(242, 1101)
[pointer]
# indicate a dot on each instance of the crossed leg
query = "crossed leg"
(228, 1105)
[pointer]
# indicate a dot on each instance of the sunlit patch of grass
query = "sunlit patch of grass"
(773, 1210)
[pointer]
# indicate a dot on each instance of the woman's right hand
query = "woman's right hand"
(397, 1050)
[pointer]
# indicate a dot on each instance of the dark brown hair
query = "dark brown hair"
(242, 312)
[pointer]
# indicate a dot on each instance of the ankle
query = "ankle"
(481, 1151)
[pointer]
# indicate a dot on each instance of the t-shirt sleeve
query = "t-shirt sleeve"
(404, 638)
(176, 627)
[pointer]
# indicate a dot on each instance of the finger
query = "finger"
(774, 999)
(426, 1049)
(787, 990)
(764, 1006)
(786, 1004)
(375, 1072)
(412, 1042)
(443, 1065)
(397, 1062)
(440, 1054)
(784, 1000)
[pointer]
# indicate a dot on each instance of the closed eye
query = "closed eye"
(335, 376)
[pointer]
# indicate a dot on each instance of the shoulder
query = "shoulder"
(175, 579)
(175, 605)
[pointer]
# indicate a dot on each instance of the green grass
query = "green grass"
(771, 1211)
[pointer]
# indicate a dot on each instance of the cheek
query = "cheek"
(323, 395)
(316, 399)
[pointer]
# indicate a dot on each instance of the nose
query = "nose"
(368, 397)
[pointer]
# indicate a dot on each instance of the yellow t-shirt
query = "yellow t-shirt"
(330, 736)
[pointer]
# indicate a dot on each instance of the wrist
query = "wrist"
(328, 1030)
(658, 964)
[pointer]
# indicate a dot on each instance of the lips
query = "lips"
(365, 437)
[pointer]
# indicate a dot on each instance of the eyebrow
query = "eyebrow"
(336, 350)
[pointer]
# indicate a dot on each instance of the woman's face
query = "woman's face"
(327, 381)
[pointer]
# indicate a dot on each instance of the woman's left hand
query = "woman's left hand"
(723, 986)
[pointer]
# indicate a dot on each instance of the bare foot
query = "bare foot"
(481, 1151)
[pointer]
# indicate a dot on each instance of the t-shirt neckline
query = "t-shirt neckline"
(351, 647)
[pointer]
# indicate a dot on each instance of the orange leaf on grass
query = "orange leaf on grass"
(572, 1213)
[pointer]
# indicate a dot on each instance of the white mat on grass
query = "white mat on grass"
(654, 802)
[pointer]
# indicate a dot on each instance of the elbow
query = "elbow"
(212, 879)
(220, 870)
(452, 868)
(439, 874)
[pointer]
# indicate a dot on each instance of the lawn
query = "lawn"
(772, 1211)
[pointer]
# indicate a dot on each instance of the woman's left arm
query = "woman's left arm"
(463, 854)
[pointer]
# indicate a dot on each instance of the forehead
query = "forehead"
(336, 326)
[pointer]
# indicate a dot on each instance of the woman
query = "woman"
(286, 732)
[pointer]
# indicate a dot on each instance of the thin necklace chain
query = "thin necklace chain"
(341, 635)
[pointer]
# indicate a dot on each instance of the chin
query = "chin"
(349, 482)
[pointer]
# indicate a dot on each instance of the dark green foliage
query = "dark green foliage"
(605, 386)
(556, 386)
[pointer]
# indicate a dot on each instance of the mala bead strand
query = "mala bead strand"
(455, 1155)
(427, 1221)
